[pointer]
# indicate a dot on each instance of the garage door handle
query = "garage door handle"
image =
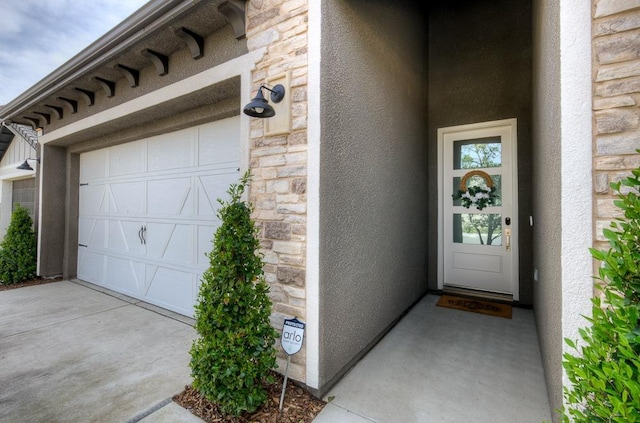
(141, 232)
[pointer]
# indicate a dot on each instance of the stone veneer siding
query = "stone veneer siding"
(279, 163)
(616, 96)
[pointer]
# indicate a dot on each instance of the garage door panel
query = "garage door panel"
(127, 197)
(90, 266)
(172, 289)
(171, 151)
(96, 238)
(170, 242)
(85, 228)
(218, 143)
(92, 199)
(170, 197)
(125, 237)
(213, 187)
(127, 159)
(124, 275)
(94, 165)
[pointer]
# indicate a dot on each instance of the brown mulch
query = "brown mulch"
(30, 282)
(299, 405)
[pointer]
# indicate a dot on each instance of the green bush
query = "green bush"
(233, 356)
(18, 249)
(605, 369)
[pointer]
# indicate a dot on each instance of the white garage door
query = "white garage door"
(147, 212)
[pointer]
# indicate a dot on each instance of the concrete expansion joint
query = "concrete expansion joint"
(346, 410)
(150, 411)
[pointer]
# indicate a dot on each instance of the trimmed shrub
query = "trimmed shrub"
(18, 249)
(605, 369)
(233, 356)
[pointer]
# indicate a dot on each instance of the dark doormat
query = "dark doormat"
(475, 306)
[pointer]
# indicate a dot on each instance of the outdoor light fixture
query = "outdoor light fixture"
(259, 107)
(25, 165)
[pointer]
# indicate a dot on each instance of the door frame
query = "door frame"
(512, 123)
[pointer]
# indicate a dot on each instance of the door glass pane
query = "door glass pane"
(477, 228)
(477, 153)
(475, 181)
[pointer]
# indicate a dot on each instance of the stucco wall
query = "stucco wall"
(373, 185)
(547, 194)
(563, 190)
(52, 240)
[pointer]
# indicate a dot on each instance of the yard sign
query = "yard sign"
(292, 336)
(291, 341)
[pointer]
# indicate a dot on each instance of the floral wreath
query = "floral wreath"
(480, 196)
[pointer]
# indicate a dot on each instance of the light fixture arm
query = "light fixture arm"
(277, 92)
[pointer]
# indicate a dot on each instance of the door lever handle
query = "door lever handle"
(141, 237)
(507, 234)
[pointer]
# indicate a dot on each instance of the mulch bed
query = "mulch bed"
(299, 405)
(30, 282)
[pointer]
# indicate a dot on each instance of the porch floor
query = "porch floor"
(444, 365)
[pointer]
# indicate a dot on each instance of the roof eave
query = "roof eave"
(145, 20)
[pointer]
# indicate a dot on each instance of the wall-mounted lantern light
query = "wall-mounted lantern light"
(26, 166)
(259, 107)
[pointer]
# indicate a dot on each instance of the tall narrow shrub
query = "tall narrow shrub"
(604, 368)
(18, 249)
(234, 354)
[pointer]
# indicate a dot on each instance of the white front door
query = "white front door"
(478, 207)
(147, 211)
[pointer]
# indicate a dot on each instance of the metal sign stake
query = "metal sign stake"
(291, 341)
(284, 384)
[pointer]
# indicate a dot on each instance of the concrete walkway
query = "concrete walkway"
(69, 353)
(444, 365)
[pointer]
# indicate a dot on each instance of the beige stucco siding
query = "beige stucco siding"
(547, 195)
(373, 185)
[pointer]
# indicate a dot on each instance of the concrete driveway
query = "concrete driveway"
(71, 353)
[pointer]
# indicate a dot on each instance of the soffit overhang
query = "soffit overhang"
(145, 39)
(6, 137)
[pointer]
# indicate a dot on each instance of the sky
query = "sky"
(38, 36)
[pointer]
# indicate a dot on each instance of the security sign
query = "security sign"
(292, 335)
